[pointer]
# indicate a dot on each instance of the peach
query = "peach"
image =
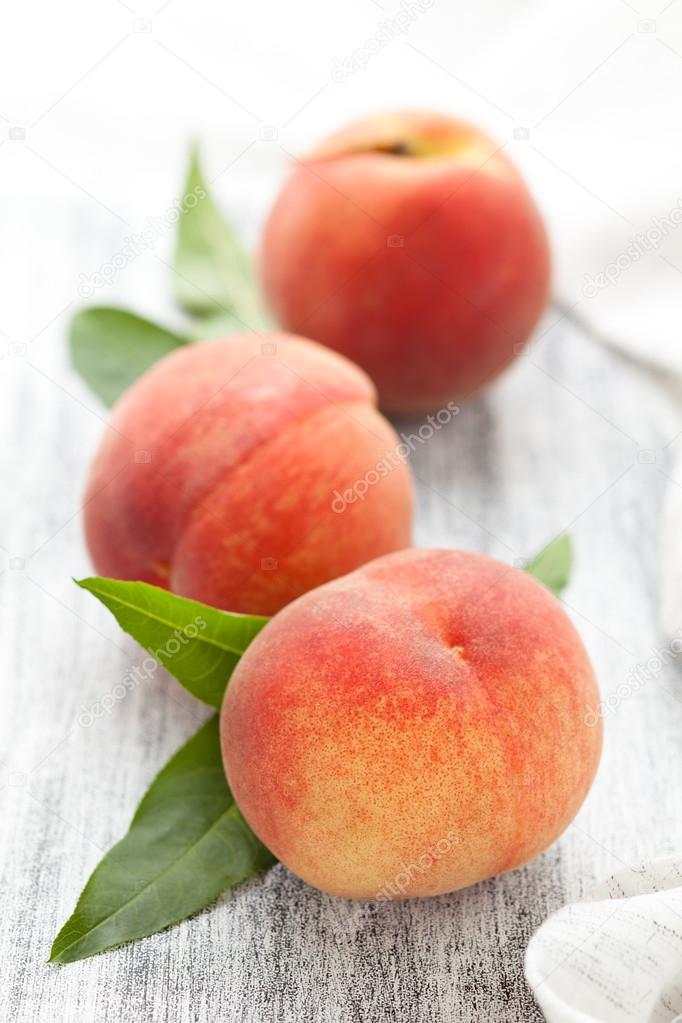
(426, 261)
(217, 475)
(412, 728)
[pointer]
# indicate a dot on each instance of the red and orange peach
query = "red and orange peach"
(217, 475)
(410, 243)
(413, 727)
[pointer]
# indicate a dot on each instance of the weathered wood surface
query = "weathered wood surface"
(572, 438)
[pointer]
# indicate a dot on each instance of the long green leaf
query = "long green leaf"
(197, 644)
(112, 347)
(213, 273)
(552, 566)
(186, 845)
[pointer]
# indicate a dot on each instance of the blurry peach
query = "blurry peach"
(410, 243)
(218, 474)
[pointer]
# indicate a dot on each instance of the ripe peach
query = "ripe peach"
(413, 727)
(217, 475)
(426, 261)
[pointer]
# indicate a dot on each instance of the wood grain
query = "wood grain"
(564, 441)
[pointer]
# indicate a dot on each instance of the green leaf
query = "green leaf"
(215, 327)
(187, 843)
(111, 348)
(197, 644)
(213, 273)
(552, 566)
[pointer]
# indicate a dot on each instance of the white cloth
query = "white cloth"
(615, 957)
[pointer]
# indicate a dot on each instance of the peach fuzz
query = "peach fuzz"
(412, 728)
(216, 476)
(426, 261)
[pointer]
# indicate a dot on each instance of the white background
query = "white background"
(109, 94)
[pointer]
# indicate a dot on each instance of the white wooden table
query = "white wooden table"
(572, 438)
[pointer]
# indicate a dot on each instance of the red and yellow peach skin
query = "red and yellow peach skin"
(426, 261)
(217, 474)
(413, 727)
